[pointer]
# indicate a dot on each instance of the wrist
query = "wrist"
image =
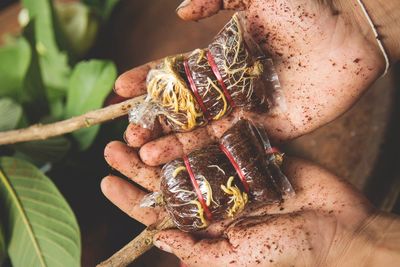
(384, 233)
(375, 243)
(385, 16)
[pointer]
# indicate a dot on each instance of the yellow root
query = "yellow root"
(238, 198)
(200, 214)
(178, 170)
(242, 75)
(167, 88)
(221, 96)
(209, 198)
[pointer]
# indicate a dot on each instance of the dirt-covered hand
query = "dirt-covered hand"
(327, 222)
(325, 60)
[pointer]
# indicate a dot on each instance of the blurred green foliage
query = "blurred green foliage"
(44, 79)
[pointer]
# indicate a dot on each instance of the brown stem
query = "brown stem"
(135, 248)
(40, 132)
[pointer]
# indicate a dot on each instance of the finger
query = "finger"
(173, 146)
(136, 136)
(199, 9)
(193, 252)
(127, 197)
(113, 98)
(170, 147)
(176, 145)
(133, 82)
(125, 159)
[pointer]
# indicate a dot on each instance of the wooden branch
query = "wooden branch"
(138, 246)
(40, 131)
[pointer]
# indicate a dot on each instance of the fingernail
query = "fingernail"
(183, 4)
(161, 245)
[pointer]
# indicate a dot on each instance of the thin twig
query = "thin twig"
(135, 248)
(41, 132)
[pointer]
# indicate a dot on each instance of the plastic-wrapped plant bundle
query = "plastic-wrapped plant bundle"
(218, 181)
(189, 91)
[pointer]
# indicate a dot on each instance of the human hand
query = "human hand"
(323, 58)
(327, 223)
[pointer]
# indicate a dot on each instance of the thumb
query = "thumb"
(199, 9)
(192, 251)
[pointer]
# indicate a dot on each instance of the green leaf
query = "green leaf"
(55, 72)
(54, 63)
(42, 151)
(34, 95)
(3, 253)
(11, 113)
(103, 7)
(42, 229)
(89, 86)
(79, 26)
(14, 62)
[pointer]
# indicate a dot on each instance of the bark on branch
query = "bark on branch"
(41, 132)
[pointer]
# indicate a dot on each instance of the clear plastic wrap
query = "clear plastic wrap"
(192, 210)
(244, 148)
(189, 91)
(274, 159)
(218, 181)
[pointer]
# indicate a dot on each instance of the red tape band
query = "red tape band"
(273, 150)
(195, 92)
(217, 74)
(237, 168)
(197, 188)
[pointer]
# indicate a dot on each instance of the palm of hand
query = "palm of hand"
(323, 61)
(309, 229)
